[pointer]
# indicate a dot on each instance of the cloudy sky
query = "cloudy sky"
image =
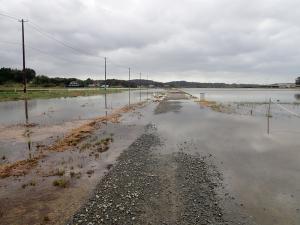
(233, 41)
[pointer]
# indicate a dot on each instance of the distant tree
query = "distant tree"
(8, 75)
(298, 81)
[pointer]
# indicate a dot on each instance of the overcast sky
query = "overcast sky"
(233, 41)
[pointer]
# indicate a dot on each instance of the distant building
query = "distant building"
(151, 86)
(74, 84)
(103, 86)
(283, 85)
(95, 84)
(298, 82)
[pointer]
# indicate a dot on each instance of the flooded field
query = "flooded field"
(252, 95)
(59, 110)
(261, 171)
(254, 102)
(49, 119)
(248, 176)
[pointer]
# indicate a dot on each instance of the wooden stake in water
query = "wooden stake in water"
(268, 116)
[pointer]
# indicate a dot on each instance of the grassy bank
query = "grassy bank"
(40, 93)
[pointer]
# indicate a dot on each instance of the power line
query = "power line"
(39, 51)
(8, 16)
(67, 45)
(44, 33)
(10, 42)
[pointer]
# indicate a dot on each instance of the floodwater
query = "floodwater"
(254, 102)
(253, 95)
(58, 110)
(53, 118)
(261, 171)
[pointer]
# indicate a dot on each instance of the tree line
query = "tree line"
(10, 76)
(14, 76)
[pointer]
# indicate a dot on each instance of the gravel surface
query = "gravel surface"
(147, 187)
(198, 181)
(120, 194)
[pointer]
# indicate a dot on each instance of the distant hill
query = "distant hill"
(185, 84)
(10, 76)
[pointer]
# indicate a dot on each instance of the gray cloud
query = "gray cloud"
(202, 40)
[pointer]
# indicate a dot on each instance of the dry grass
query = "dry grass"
(19, 168)
(217, 107)
(78, 134)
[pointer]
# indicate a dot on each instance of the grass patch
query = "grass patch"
(12, 95)
(63, 183)
(103, 144)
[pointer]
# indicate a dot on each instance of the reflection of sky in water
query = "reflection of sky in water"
(246, 95)
(261, 171)
(58, 110)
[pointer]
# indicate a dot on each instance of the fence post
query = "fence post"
(268, 116)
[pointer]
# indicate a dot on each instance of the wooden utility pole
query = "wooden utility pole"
(24, 71)
(23, 51)
(129, 86)
(105, 74)
(105, 97)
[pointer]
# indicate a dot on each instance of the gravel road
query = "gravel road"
(147, 186)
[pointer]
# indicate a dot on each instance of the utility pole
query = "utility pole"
(23, 51)
(140, 87)
(24, 71)
(105, 83)
(105, 74)
(129, 84)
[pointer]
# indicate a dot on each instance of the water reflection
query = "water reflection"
(46, 112)
(27, 128)
(105, 100)
(129, 95)
(26, 109)
(28, 140)
(297, 97)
